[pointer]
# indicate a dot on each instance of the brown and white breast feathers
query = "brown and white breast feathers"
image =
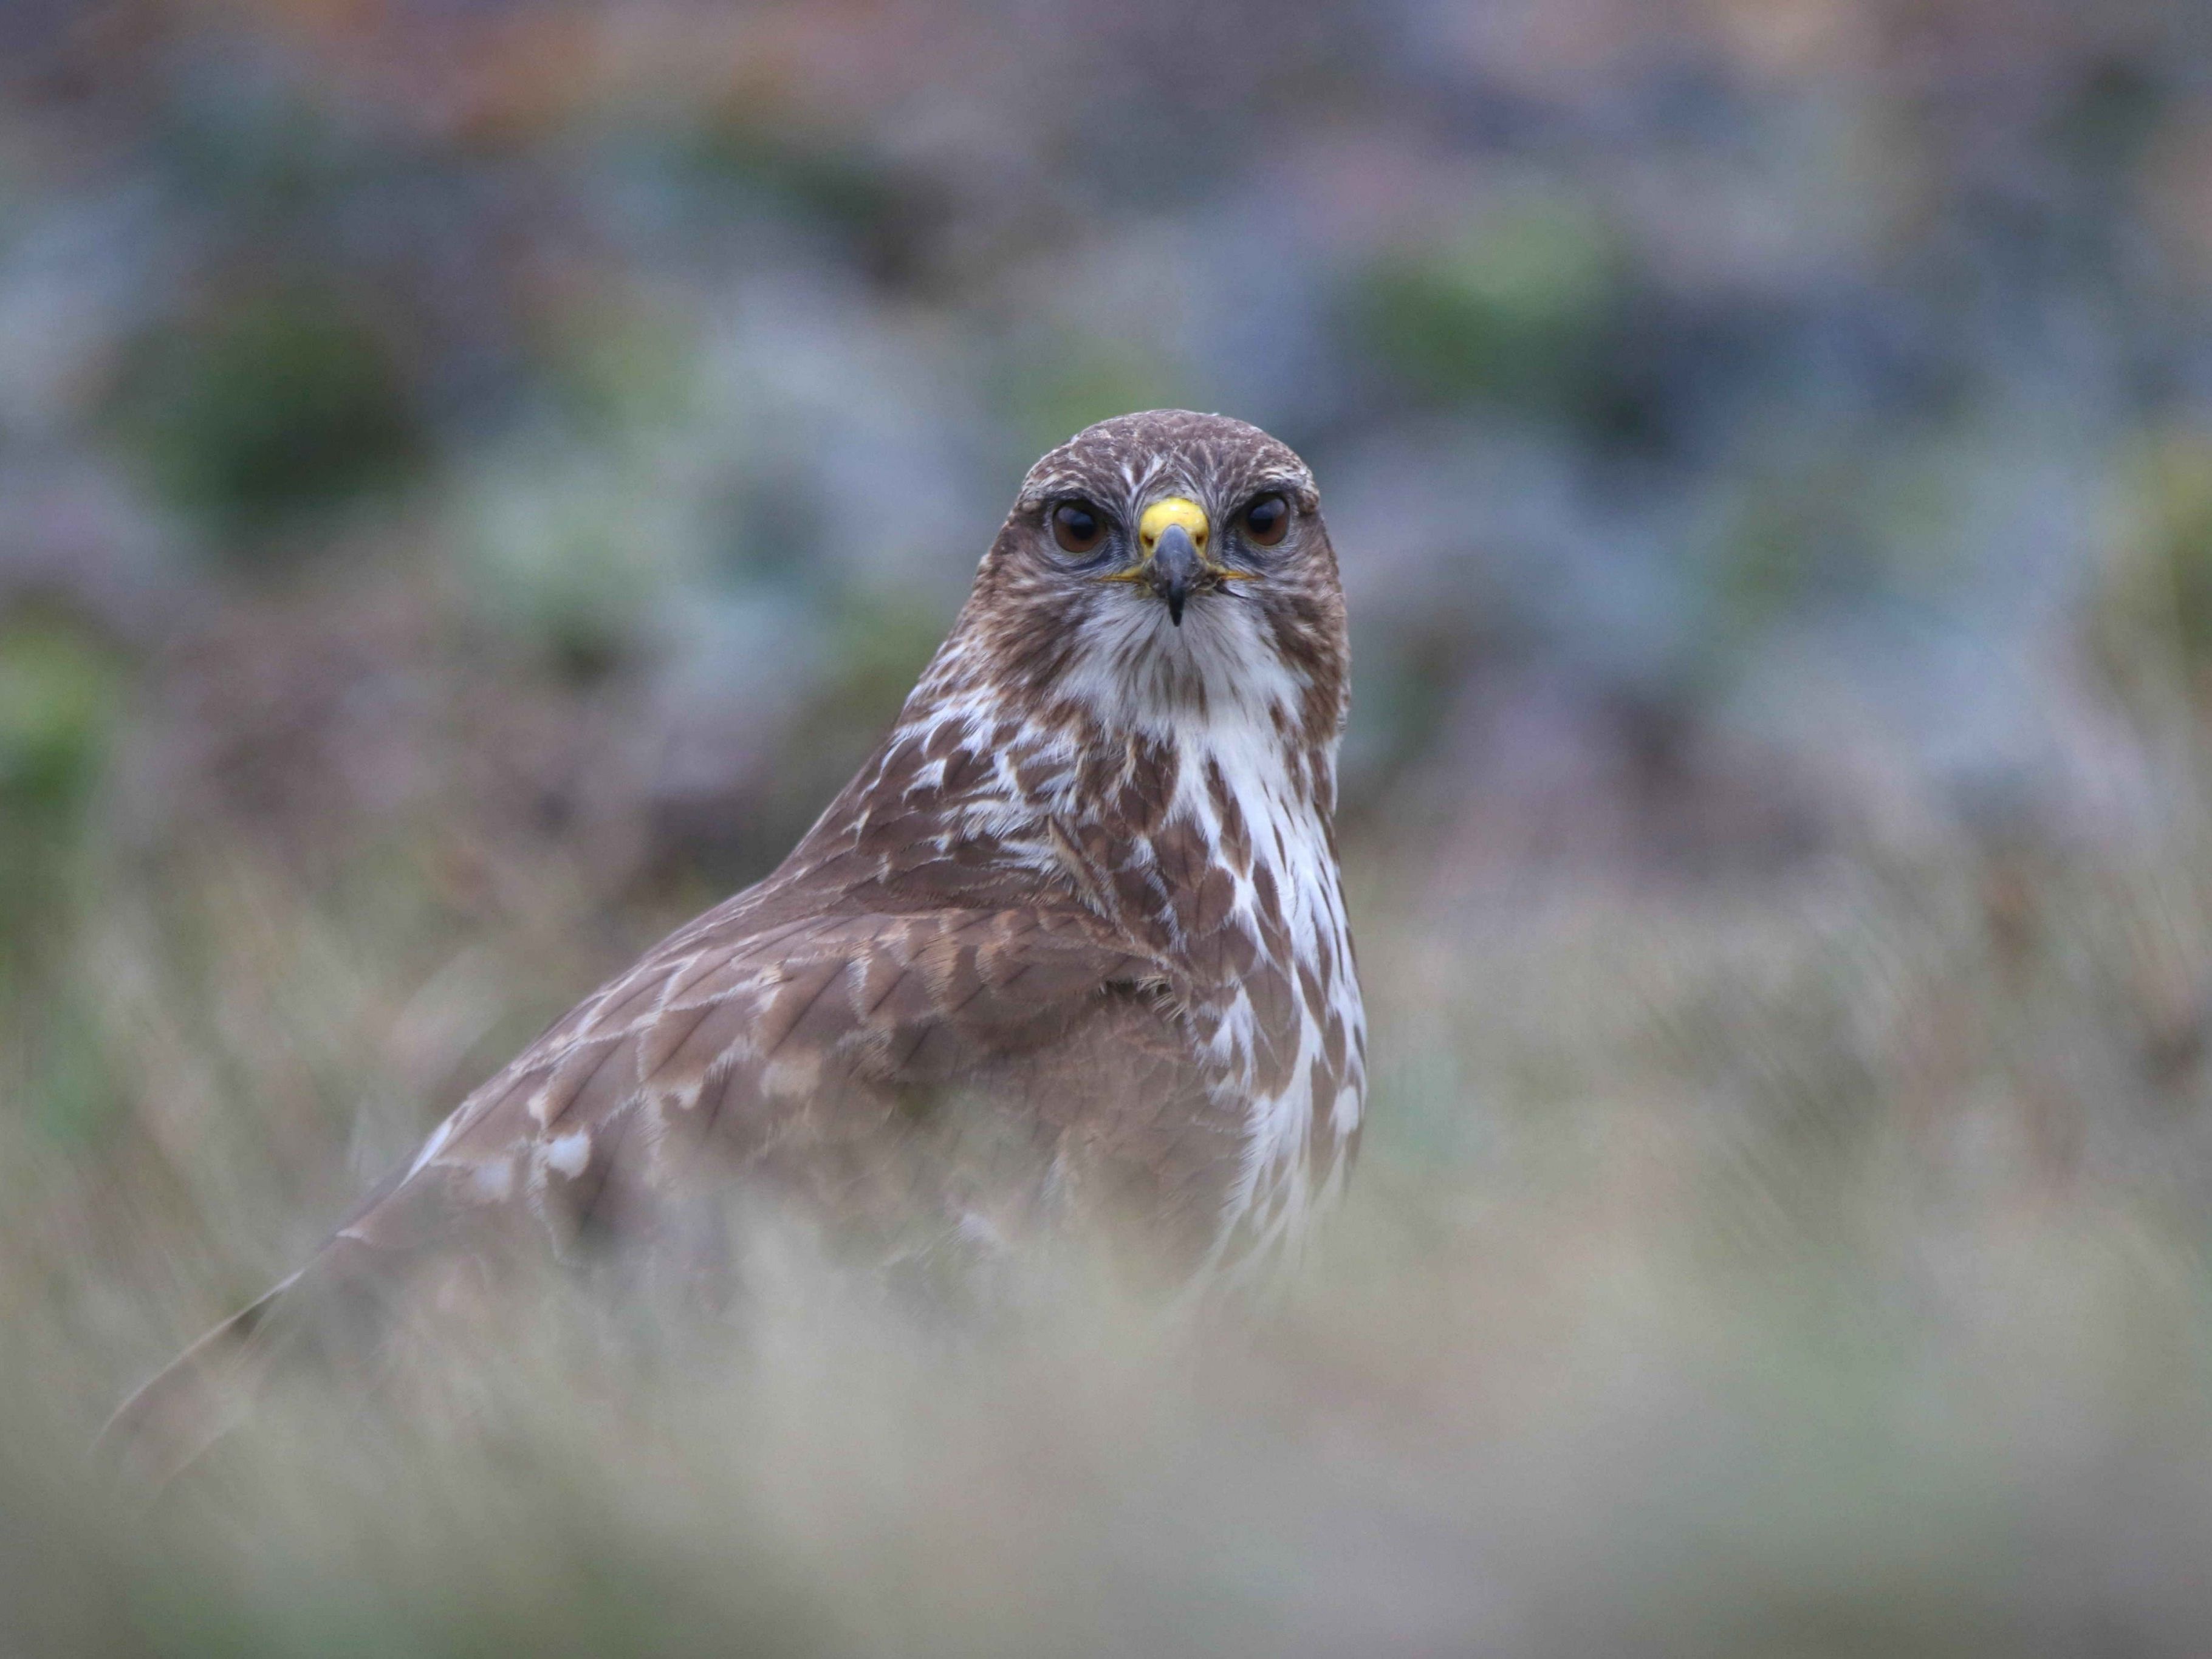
(1073, 943)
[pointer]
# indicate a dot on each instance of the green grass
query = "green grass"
(1815, 1267)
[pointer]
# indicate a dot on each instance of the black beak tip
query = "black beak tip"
(1176, 567)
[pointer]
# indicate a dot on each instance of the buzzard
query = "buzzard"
(1070, 945)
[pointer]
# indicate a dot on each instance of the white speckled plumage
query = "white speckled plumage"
(1085, 894)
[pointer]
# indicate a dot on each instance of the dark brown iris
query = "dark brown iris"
(1266, 520)
(1077, 527)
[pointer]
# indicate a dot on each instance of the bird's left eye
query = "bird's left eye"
(1077, 527)
(1266, 520)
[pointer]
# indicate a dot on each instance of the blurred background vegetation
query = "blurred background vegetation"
(474, 475)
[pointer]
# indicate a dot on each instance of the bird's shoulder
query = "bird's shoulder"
(783, 1013)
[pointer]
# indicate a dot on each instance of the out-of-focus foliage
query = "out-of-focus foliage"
(285, 404)
(474, 477)
(2152, 628)
(1521, 309)
(1661, 354)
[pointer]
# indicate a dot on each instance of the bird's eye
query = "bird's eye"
(1077, 527)
(1266, 520)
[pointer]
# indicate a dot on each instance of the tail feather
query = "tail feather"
(340, 1309)
(177, 1414)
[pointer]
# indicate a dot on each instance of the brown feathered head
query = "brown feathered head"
(1156, 568)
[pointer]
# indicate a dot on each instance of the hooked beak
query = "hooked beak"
(1172, 537)
(1173, 569)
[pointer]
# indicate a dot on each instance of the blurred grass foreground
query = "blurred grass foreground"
(476, 475)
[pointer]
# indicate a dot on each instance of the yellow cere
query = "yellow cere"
(1172, 510)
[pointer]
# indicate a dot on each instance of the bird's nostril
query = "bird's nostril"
(1152, 539)
(1169, 513)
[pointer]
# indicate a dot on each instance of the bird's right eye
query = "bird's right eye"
(1077, 527)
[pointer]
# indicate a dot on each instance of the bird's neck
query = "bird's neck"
(1160, 826)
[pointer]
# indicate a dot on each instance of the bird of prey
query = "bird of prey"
(1070, 945)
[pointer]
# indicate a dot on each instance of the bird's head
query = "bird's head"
(1164, 567)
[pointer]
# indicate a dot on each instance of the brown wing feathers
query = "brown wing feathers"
(1008, 906)
(720, 1040)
